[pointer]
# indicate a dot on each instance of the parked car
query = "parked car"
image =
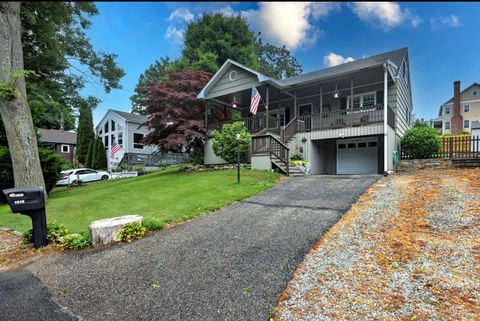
(85, 175)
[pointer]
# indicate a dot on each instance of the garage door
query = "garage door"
(357, 156)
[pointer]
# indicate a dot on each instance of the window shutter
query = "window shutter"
(380, 97)
(343, 103)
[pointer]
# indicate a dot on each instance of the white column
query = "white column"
(321, 106)
(385, 115)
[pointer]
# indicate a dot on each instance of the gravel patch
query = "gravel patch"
(409, 249)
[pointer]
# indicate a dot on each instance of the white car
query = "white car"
(84, 175)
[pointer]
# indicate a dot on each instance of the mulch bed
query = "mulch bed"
(13, 253)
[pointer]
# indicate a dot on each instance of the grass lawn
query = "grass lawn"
(167, 195)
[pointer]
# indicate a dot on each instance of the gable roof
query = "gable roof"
(394, 58)
(57, 136)
(463, 91)
(131, 118)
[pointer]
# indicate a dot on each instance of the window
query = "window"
(474, 93)
(113, 140)
(105, 141)
(372, 144)
(136, 141)
(362, 145)
(365, 100)
(352, 145)
(120, 138)
(232, 76)
(447, 110)
(106, 127)
(466, 124)
(65, 149)
(447, 125)
(342, 146)
(113, 125)
(466, 108)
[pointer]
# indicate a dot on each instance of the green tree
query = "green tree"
(93, 162)
(213, 38)
(88, 160)
(276, 62)
(100, 157)
(225, 142)
(154, 74)
(85, 132)
(421, 141)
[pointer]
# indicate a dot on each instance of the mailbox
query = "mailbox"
(30, 201)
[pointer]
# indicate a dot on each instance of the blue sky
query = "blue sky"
(442, 39)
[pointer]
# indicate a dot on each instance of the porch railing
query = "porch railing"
(161, 159)
(268, 144)
(455, 147)
(254, 124)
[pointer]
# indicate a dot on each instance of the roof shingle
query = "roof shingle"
(57, 136)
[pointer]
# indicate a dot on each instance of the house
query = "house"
(124, 129)
(475, 126)
(346, 119)
(457, 114)
(62, 142)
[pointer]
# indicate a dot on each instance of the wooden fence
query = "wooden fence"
(455, 147)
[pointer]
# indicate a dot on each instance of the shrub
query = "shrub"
(75, 241)
(151, 223)
(54, 231)
(196, 157)
(296, 156)
(131, 232)
(225, 142)
(421, 141)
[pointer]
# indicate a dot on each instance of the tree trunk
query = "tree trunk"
(15, 112)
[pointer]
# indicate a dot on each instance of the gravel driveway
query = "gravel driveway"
(232, 264)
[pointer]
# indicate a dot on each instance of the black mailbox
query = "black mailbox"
(30, 201)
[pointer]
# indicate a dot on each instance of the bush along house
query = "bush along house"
(346, 119)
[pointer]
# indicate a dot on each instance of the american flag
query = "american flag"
(115, 149)
(255, 101)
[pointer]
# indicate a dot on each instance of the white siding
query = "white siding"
(261, 162)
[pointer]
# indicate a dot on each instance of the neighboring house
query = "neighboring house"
(475, 128)
(457, 114)
(122, 128)
(62, 142)
(314, 113)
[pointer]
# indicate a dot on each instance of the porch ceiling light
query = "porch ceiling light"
(234, 103)
(336, 94)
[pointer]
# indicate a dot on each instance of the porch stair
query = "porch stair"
(278, 152)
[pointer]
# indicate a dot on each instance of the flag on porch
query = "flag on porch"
(254, 101)
(115, 149)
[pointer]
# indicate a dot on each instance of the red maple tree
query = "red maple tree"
(175, 116)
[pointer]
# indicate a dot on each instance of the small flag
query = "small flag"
(255, 101)
(115, 149)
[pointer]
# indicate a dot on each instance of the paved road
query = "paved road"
(229, 265)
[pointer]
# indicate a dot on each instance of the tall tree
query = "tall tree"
(14, 110)
(56, 47)
(100, 160)
(276, 62)
(213, 38)
(154, 74)
(85, 133)
(88, 160)
(177, 117)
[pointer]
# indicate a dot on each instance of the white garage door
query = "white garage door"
(357, 156)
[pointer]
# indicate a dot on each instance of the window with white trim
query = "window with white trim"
(474, 93)
(364, 100)
(120, 139)
(447, 110)
(136, 140)
(447, 125)
(466, 123)
(466, 108)
(65, 149)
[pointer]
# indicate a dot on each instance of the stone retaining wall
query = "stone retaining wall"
(406, 165)
(204, 168)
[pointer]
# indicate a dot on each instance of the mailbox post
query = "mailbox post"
(30, 201)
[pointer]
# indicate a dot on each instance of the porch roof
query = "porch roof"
(393, 58)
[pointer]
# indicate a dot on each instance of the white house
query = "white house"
(122, 128)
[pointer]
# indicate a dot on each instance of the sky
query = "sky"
(442, 39)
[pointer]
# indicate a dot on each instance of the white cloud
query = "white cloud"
(447, 21)
(386, 15)
(181, 14)
(333, 59)
(174, 35)
(289, 23)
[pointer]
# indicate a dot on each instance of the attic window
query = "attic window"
(474, 93)
(232, 76)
